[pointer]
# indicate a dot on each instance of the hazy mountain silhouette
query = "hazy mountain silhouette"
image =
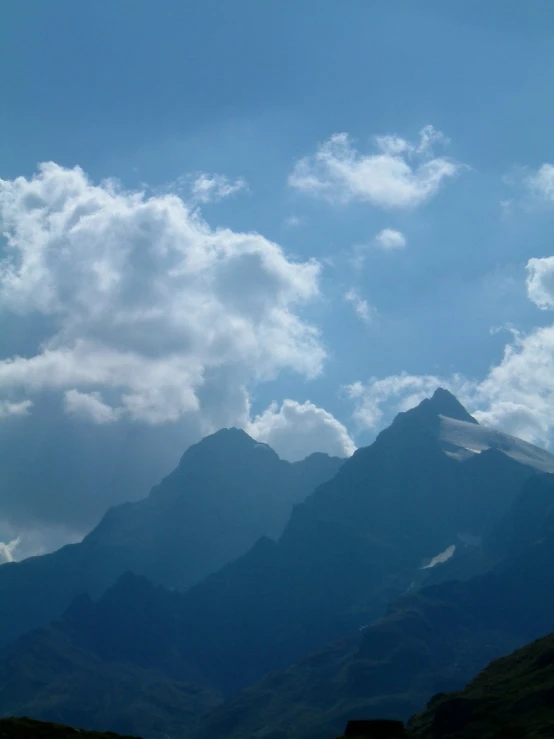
(112, 664)
(227, 491)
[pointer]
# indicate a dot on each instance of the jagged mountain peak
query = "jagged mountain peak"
(446, 404)
(441, 403)
(444, 421)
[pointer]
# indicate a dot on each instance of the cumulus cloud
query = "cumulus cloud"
(398, 174)
(518, 394)
(388, 239)
(540, 282)
(145, 301)
(361, 307)
(295, 430)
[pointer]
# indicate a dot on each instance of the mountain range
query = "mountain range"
(400, 573)
(227, 491)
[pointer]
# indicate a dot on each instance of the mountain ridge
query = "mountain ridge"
(356, 543)
(227, 489)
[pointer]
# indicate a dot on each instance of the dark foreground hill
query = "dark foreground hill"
(513, 698)
(227, 491)
(25, 728)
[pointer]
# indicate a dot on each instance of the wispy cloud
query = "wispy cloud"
(362, 308)
(8, 550)
(210, 188)
(293, 221)
(541, 182)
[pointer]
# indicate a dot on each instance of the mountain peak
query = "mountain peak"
(225, 443)
(444, 403)
(429, 411)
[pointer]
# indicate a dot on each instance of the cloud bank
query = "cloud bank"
(144, 300)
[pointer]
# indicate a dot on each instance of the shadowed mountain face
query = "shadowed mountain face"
(354, 544)
(226, 492)
(431, 641)
(115, 664)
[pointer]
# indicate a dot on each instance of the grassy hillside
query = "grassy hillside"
(513, 698)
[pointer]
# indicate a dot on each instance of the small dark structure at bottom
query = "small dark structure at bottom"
(375, 729)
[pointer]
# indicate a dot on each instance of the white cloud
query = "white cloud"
(518, 394)
(541, 182)
(147, 301)
(400, 174)
(210, 188)
(362, 308)
(296, 430)
(540, 282)
(8, 408)
(388, 238)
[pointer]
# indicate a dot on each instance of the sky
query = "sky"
(298, 218)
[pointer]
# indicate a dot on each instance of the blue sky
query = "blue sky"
(376, 265)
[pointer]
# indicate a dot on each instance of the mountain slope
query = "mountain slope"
(228, 490)
(354, 544)
(430, 641)
(114, 664)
